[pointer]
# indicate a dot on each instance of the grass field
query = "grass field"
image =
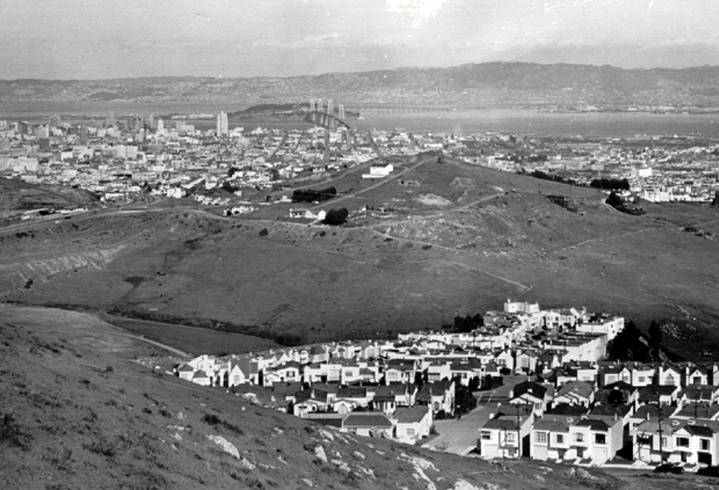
(194, 340)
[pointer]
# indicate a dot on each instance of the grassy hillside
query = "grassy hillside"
(16, 195)
(76, 411)
(463, 241)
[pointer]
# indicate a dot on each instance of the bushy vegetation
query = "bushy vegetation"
(631, 345)
(618, 203)
(312, 195)
(538, 174)
(336, 217)
(464, 323)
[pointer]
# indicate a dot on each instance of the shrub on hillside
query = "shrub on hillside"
(336, 217)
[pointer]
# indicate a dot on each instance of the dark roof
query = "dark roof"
(700, 430)
(501, 424)
(566, 410)
(366, 419)
(410, 415)
(352, 392)
(650, 393)
(535, 389)
(610, 410)
(594, 424)
(551, 425)
(620, 385)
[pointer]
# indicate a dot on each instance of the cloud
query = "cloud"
(312, 41)
(415, 12)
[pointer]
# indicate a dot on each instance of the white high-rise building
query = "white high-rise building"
(330, 107)
(341, 111)
(222, 126)
(160, 126)
(312, 105)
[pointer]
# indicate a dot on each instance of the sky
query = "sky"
(88, 39)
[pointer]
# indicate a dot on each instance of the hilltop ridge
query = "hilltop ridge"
(491, 84)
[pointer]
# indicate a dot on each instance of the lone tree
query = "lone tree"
(336, 217)
(655, 334)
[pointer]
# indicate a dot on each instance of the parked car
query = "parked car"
(669, 468)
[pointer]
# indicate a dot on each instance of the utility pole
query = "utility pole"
(660, 430)
(519, 439)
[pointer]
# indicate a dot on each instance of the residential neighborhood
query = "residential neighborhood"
(539, 378)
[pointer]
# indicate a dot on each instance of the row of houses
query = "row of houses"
(586, 415)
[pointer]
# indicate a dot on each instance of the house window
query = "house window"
(486, 435)
(669, 379)
(600, 438)
(663, 442)
(683, 441)
(541, 437)
(696, 380)
(705, 444)
(641, 379)
(410, 432)
(510, 436)
(579, 437)
(560, 438)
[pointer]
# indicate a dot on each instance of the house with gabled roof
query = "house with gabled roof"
(699, 394)
(370, 424)
(534, 394)
(669, 374)
(185, 371)
(594, 441)
(287, 372)
(507, 433)
(550, 439)
(575, 393)
(681, 442)
(662, 394)
(697, 411)
(438, 395)
(412, 423)
(618, 393)
(695, 374)
(400, 370)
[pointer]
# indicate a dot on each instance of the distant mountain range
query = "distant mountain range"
(494, 84)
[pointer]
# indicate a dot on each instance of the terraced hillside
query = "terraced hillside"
(460, 241)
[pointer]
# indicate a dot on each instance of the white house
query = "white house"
(412, 424)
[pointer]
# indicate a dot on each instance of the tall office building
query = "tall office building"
(222, 127)
(312, 105)
(320, 105)
(341, 111)
(160, 126)
(330, 107)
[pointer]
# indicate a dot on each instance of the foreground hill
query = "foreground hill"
(476, 85)
(80, 408)
(461, 241)
(76, 411)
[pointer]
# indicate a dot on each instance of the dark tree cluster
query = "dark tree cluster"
(464, 401)
(615, 201)
(610, 184)
(312, 195)
(464, 323)
(336, 217)
(538, 174)
(630, 344)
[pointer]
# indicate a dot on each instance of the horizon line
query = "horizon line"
(397, 68)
